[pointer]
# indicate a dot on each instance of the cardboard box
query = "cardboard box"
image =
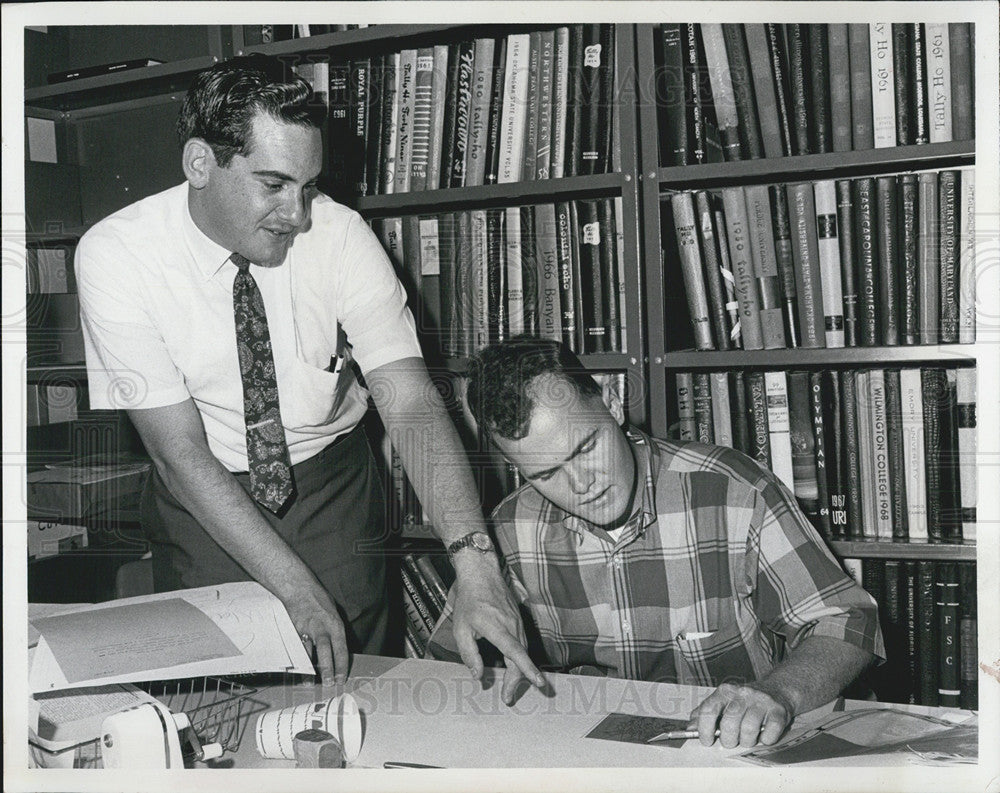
(46, 538)
(62, 493)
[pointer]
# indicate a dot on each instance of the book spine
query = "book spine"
(917, 65)
(962, 83)
(819, 94)
(463, 114)
(869, 525)
(430, 274)
(828, 246)
(688, 251)
(723, 96)
(803, 443)
(743, 90)
(939, 82)
(739, 413)
(479, 279)
(911, 396)
(728, 279)
(592, 287)
(427, 593)
(713, 273)
(909, 243)
(967, 257)
(887, 222)
(608, 113)
(704, 431)
(515, 102)
(779, 430)
(880, 454)
(946, 586)
(339, 128)
(823, 459)
(567, 297)
(867, 272)
(901, 83)
(672, 106)
(531, 111)
(805, 251)
(910, 594)
(928, 646)
(530, 270)
(797, 37)
(840, 87)
(829, 421)
(560, 88)
(407, 109)
(610, 274)
(883, 95)
(897, 453)
(423, 113)
(967, 640)
(513, 261)
(448, 297)
(948, 262)
(593, 57)
(747, 292)
(390, 122)
(894, 678)
(966, 431)
(450, 122)
(577, 273)
(439, 94)
(496, 111)
(765, 266)
(360, 120)
(935, 387)
(762, 80)
(686, 426)
(928, 258)
(574, 102)
(373, 136)
(479, 112)
(852, 453)
(722, 423)
(423, 613)
(782, 93)
(760, 436)
(951, 497)
(549, 282)
(862, 120)
(543, 148)
(695, 72)
(496, 269)
(848, 271)
(782, 234)
(435, 583)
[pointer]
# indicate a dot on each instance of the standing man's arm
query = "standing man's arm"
(175, 439)
(425, 438)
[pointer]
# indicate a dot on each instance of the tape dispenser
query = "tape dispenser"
(149, 736)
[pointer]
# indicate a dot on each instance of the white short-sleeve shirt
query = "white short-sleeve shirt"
(156, 302)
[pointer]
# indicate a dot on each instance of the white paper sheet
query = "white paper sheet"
(252, 619)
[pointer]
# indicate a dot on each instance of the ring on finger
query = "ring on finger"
(306, 638)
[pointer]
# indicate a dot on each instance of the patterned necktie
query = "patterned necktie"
(267, 453)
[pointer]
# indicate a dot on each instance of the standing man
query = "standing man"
(663, 561)
(223, 314)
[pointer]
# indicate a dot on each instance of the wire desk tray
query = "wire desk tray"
(212, 705)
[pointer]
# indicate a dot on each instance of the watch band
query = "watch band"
(477, 540)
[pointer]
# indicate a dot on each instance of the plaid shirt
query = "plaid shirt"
(714, 574)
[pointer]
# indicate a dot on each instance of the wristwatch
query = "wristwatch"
(477, 540)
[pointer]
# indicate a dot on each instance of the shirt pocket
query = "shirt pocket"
(318, 394)
(715, 657)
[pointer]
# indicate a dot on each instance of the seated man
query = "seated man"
(664, 561)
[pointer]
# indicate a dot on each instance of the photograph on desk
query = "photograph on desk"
(577, 392)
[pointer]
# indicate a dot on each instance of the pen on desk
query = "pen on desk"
(395, 764)
(678, 735)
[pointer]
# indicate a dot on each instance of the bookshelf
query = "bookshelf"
(887, 567)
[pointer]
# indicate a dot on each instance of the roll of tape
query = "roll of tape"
(339, 716)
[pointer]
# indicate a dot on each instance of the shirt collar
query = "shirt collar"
(647, 457)
(209, 256)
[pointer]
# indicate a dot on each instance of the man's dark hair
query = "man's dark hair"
(500, 394)
(222, 101)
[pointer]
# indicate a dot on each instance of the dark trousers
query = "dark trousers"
(336, 525)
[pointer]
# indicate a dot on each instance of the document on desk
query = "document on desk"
(225, 629)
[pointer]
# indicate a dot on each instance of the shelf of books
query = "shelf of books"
(810, 200)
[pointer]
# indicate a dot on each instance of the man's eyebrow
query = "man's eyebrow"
(572, 454)
(281, 176)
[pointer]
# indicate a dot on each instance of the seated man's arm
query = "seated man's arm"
(435, 462)
(175, 438)
(815, 672)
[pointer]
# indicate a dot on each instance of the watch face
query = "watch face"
(481, 541)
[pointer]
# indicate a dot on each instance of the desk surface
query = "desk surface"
(435, 713)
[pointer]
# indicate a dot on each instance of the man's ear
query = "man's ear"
(198, 160)
(613, 401)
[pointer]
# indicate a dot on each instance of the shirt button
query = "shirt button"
(626, 627)
(617, 562)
